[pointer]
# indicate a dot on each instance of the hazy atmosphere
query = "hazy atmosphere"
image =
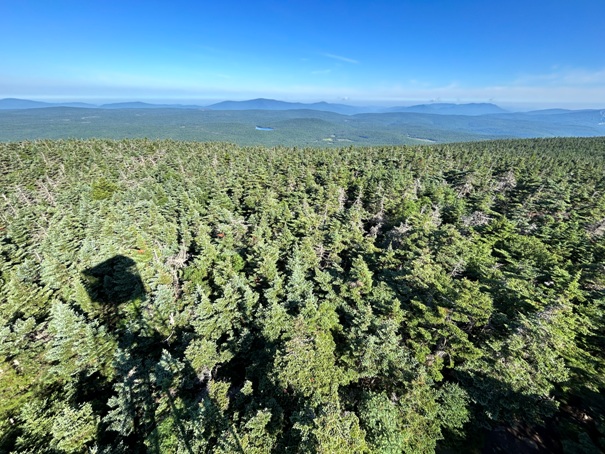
(517, 54)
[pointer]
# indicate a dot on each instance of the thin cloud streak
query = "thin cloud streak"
(341, 58)
(578, 77)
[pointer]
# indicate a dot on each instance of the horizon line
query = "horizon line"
(510, 106)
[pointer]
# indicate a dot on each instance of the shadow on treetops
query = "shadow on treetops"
(114, 281)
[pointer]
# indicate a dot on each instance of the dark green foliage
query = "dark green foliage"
(103, 189)
(212, 298)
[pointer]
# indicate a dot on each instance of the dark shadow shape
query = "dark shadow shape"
(114, 281)
(112, 284)
(503, 420)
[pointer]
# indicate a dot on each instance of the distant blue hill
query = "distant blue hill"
(451, 109)
(14, 103)
(273, 104)
(145, 105)
(487, 119)
(549, 112)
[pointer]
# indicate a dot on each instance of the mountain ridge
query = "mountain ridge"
(274, 104)
(267, 104)
(22, 104)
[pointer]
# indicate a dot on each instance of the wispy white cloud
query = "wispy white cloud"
(578, 77)
(341, 58)
(321, 71)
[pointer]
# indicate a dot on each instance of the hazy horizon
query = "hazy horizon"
(517, 55)
(509, 106)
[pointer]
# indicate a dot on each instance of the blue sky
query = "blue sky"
(389, 52)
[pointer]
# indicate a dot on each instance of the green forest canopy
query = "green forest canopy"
(162, 296)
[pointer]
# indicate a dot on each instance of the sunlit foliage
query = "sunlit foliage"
(161, 296)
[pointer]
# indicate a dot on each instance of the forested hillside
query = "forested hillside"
(293, 128)
(174, 297)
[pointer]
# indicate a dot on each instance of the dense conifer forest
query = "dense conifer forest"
(175, 297)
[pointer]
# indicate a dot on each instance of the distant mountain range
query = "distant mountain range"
(272, 123)
(271, 104)
(469, 109)
(13, 103)
(252, 104)
(17, 104)
(145, 105)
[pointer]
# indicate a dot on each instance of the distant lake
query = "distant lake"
(264, 128)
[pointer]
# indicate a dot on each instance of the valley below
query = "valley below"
(293, 126)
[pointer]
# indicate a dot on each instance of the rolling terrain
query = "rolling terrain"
(292, 126)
